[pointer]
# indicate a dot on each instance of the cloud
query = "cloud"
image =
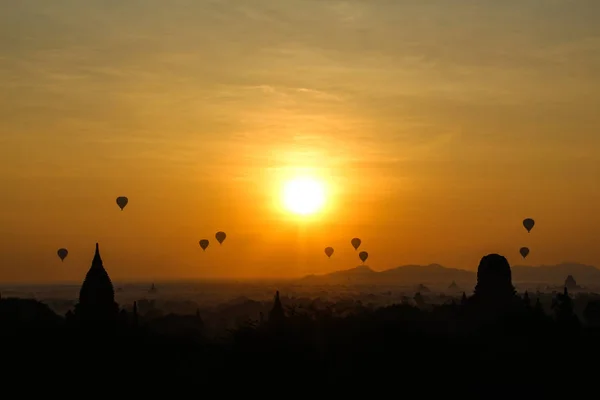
(410, 77)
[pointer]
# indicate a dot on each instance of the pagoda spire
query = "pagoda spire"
(277, 315)
(97, 295)
(97, 261)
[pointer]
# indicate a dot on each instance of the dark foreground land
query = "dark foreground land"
(462, 345)
(491, 343)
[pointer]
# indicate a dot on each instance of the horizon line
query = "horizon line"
(130, 281)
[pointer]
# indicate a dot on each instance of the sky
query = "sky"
(436, 127)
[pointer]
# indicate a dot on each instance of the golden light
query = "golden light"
(303, 196)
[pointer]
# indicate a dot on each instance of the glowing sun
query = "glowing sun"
(303, 196)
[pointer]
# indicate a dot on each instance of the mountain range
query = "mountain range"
(435, 274)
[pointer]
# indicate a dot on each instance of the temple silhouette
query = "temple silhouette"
(494, 281)
(277, 314)
(97, 296)
(571, 283)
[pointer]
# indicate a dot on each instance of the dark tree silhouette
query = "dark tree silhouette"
(563, 311)
(591, 313)
(526, 300)
(419, 299)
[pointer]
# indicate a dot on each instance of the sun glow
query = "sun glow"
(303, 196)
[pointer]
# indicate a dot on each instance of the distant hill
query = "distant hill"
(429, 274)
(404, 275)
(435, 274)
(556, 274)
(361, 274)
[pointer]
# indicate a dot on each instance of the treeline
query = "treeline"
(464, 345)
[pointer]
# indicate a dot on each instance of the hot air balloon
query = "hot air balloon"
(62, 253)
(356, 243)
(122, 202)
(363, 255)
(220, 236)
(528, 223)
(204, 244)
(524, 252)
(329, 251)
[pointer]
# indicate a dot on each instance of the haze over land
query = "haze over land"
(552, 275)
(435, 126)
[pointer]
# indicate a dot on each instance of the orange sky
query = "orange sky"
(437, 128)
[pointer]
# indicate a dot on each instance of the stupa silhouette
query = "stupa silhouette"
(570, 283)
(97, 295)
(277, 314)
(494, 281)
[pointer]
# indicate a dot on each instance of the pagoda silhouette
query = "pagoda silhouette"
(571, 283)
(97, 296)
(277, 314)
(494, 291)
